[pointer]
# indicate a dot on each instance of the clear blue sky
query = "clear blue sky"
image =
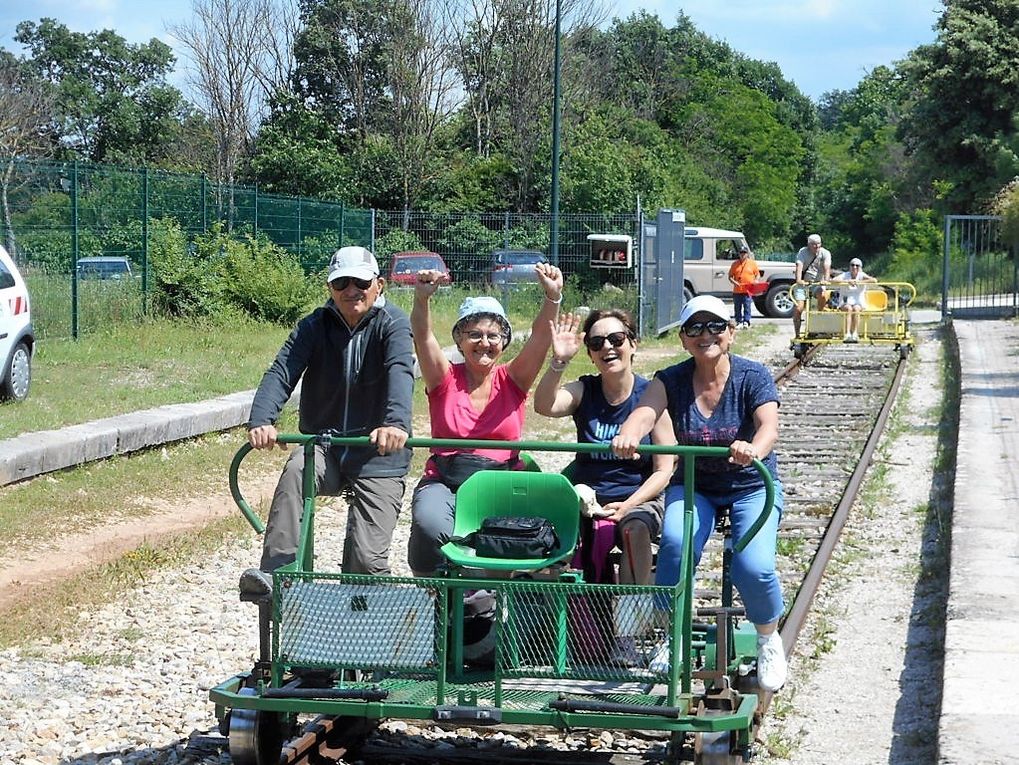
(820, 45)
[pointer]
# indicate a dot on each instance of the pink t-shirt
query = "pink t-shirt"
(453, 416)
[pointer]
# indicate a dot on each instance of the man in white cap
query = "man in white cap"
(813, 266)
(852, 297)
(355, 356)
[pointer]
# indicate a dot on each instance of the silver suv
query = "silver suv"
(707, 256)
(17, 340)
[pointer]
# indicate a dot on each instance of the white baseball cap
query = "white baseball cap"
(703, 304)
(353, 261)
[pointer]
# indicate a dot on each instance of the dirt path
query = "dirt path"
(65, 556)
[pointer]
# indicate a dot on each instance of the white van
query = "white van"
(17, 340)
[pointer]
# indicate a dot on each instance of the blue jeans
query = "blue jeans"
(741, 307)
(753, 570)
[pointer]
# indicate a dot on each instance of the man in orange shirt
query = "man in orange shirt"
(743, 273)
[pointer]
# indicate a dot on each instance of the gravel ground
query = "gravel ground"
(131, 686)
(866, 688)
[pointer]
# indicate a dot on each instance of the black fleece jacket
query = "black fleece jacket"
(355, 380)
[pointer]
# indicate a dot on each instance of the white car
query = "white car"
(17, 341)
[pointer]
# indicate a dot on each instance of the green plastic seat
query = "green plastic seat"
(495, 493)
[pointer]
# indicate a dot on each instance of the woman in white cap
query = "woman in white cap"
(479, 398)
(852, 297)
(715, 398)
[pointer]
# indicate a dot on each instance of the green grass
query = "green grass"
(138, 366)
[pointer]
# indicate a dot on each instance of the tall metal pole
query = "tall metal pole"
(553, 244)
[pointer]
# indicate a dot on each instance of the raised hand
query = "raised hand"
(566, 337)
(551, 280)
(428, 282)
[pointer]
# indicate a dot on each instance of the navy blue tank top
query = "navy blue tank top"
(612, 479)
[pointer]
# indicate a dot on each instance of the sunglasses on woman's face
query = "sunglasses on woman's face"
(341, 284)
(696, 328)
(616, 339)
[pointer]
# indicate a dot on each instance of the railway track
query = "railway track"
(835, 403)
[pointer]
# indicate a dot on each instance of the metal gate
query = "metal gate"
(661, 272)
(980, 277)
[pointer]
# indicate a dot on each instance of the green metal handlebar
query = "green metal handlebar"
(545, 446)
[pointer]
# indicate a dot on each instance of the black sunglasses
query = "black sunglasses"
(696, 328)
(341, 283)
(616, 339)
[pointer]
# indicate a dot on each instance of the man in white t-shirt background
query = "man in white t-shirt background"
(813, 265)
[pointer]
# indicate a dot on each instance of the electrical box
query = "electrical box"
(611, 250)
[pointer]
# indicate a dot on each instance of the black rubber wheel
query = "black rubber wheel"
(687, 294)
(778, 303)
(17, 375)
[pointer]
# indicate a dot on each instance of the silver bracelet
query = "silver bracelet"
(557, 301)
(558, 366)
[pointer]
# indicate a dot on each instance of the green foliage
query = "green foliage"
(917, 252)
(185, 281)
(298, 152)
(962, 117)
(1006, 204)
(396, 240)
(113, 102)
(470, 235)
(259, 278)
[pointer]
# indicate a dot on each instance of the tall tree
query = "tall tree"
(966, 84)
(340, 64)
(112, 100)
(505, 51)
(237, 60)
(26, 110)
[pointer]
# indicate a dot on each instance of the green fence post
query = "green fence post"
(145, 241)
(505, 230)
(256, 211)
(340, 243)
(74, 249)
(205, 218)
(299, 248)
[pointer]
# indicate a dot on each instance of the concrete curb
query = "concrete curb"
(33, 454)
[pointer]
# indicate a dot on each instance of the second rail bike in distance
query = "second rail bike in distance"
(884, 318)
(366, 648)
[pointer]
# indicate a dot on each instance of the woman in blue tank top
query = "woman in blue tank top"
(627, 506)
(718, 399)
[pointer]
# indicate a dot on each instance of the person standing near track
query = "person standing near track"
(353, 356)
(742, 273)
(715, 398)
(813, 266)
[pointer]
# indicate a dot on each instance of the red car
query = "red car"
(404, 266)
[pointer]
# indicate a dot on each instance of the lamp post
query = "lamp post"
(553, 243)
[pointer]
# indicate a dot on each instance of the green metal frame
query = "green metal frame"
(514, 685)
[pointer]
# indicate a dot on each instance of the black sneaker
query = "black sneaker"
(256, 586)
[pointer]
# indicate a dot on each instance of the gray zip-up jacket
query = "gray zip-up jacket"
(355, 380)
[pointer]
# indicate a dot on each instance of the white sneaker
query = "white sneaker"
(847, 338)
(771, 664)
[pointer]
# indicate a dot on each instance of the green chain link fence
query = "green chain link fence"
(55, 214)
